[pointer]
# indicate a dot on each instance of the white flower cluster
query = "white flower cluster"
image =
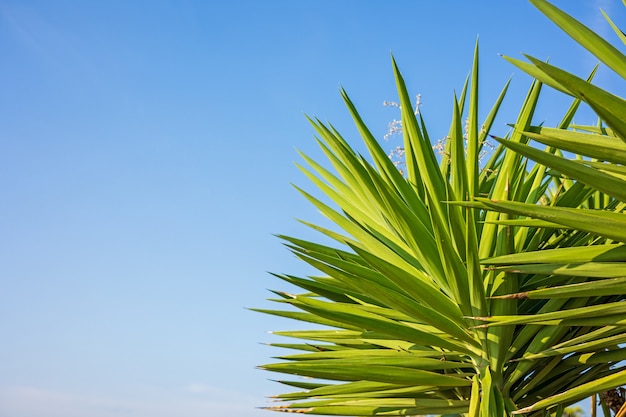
(395, 127)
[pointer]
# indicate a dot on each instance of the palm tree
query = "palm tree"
(459, 289)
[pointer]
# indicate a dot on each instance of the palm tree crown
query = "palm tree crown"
(459, 289)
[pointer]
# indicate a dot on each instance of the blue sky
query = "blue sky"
(146, 156)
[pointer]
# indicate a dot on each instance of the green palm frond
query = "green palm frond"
(451, 288)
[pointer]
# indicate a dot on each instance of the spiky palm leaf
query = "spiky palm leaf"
(412, 323)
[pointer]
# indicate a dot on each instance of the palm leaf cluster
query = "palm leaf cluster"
(456, 288)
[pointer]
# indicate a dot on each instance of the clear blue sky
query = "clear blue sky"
(146, 155)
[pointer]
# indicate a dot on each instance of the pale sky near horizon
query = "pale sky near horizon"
(146, 156)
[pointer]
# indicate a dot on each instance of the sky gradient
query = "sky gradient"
(147, 153)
